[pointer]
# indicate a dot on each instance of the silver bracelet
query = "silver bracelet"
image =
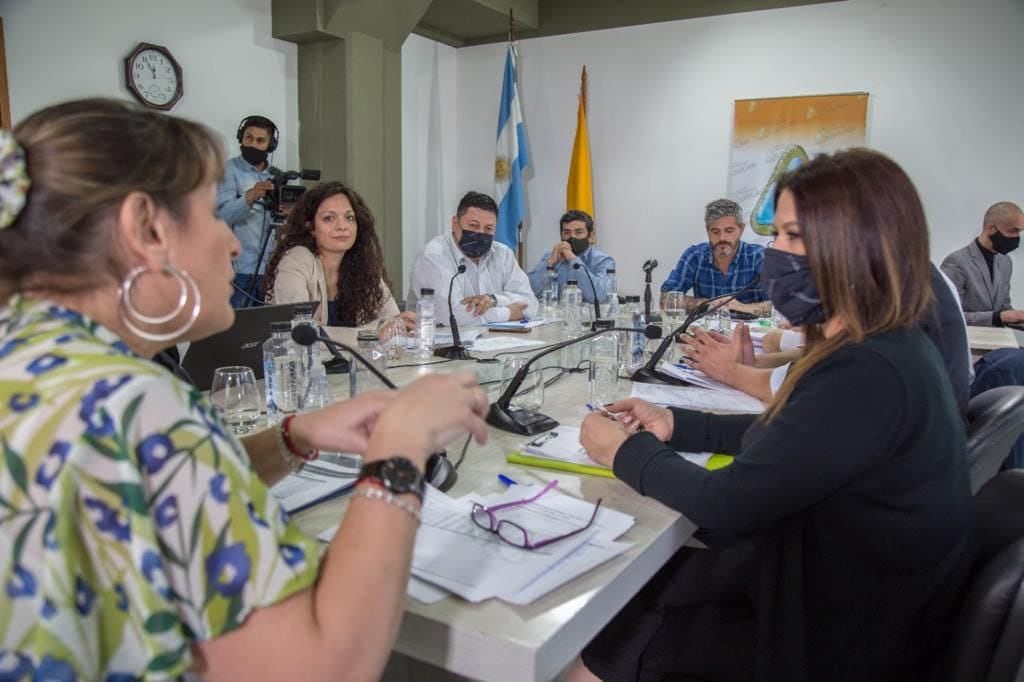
(371, 492)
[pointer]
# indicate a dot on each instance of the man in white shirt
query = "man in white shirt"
(493, 288)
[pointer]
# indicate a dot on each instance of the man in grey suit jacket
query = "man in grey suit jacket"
(981, 270)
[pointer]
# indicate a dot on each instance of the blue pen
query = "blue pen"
(600, 410)
(524, 320)
(505, 480)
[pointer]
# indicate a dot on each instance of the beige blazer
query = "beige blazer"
(300, 277)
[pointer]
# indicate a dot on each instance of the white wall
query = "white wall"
(429, 133)
(65, 49)
(944, 78)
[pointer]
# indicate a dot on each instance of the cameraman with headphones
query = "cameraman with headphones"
(246, 180)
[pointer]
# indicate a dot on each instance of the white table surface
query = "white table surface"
(497, 641)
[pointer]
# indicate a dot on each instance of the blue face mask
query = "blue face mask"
(475, 244)
(789, 284)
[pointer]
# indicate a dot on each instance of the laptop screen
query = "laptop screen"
(241, 344)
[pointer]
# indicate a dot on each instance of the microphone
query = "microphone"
(439, 470)
(649, 266)
(593, 290)
(455, 351)
(528, 422)
(649, 374)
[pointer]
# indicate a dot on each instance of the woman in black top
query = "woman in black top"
(840, 532)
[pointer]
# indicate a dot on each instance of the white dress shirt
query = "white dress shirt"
(496, 273)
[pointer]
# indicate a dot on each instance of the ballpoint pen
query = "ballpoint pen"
(505, 480)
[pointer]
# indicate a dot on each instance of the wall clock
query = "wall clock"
(153, 76)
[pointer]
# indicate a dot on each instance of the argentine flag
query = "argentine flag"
(510, 159)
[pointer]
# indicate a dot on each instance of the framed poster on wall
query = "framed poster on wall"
(772, 136)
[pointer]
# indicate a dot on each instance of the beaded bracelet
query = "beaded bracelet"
(293, 458)
(372, 492)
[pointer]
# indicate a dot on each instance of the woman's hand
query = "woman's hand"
(719, 356)
(602, 437)
(635, 415)
(428, 414)
(341, 427)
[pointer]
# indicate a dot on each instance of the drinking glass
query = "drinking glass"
(586, 317)
(530, 394)
(674, 308)
(234, 393)
(393, 337)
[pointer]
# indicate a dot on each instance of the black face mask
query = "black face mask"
(254, 156)
(475, 244)
(578, 246)
(1003, 244)
(787, 279)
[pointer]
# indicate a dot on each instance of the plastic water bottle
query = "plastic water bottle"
(572, 301)
(639, 345)
(550, 294)
(318, 391)
(373, 350)
(425, 324)
(611, 311)
(281, 372)
(604, 364)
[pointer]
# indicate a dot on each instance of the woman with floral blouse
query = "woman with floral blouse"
(137, 535)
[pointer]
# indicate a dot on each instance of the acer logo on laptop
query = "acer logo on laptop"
(250, 345)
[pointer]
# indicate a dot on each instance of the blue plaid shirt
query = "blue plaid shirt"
(696, 270)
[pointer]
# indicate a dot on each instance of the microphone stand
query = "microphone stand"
(649, 373)
(528, 422)
(433, 462)
(593, 290)
(456, 350)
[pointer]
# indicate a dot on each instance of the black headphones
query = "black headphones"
(259, 122)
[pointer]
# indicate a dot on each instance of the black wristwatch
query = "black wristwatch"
(397, 475)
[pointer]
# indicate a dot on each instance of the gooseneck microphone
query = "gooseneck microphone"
(649, 373)
(439, 470)
(593, 290)
(649, 266)
(455, 351)
(503, 416)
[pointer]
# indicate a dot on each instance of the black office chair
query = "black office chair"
(995, 419)
(988, 645)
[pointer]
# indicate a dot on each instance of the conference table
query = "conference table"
(494, 640)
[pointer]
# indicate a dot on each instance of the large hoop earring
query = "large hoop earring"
(128, 309)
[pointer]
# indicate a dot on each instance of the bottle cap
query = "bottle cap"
(551, 268)
(426, 292)
(278, 327)
(632, 299)
(302, 309)
(610, 271)
(604, 324)
(367, 335)
(572, 282)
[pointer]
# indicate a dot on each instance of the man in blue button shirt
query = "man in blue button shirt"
(721, 265)
(246, 179)
(577, 228)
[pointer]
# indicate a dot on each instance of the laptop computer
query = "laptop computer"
(241, 344)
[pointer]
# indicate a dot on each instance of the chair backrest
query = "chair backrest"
(989, 642)
(995, 419)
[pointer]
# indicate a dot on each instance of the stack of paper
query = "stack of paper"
(518, 325)
(697, 398)
(562, 444)
(493, 344)
(315, 482)
(454, 554)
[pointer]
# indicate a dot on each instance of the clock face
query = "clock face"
(154, 77)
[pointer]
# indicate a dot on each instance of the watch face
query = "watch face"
(154, 77)
(401, 474)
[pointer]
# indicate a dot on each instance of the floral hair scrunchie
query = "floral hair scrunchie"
(14, 180)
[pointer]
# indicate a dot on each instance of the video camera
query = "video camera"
(284, 193)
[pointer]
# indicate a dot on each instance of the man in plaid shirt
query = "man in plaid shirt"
(721, 265)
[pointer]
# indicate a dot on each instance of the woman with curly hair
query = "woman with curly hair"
(328, 251)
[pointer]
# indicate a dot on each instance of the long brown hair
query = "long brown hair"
(360, 296)
(867, 245)
(84, 157)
